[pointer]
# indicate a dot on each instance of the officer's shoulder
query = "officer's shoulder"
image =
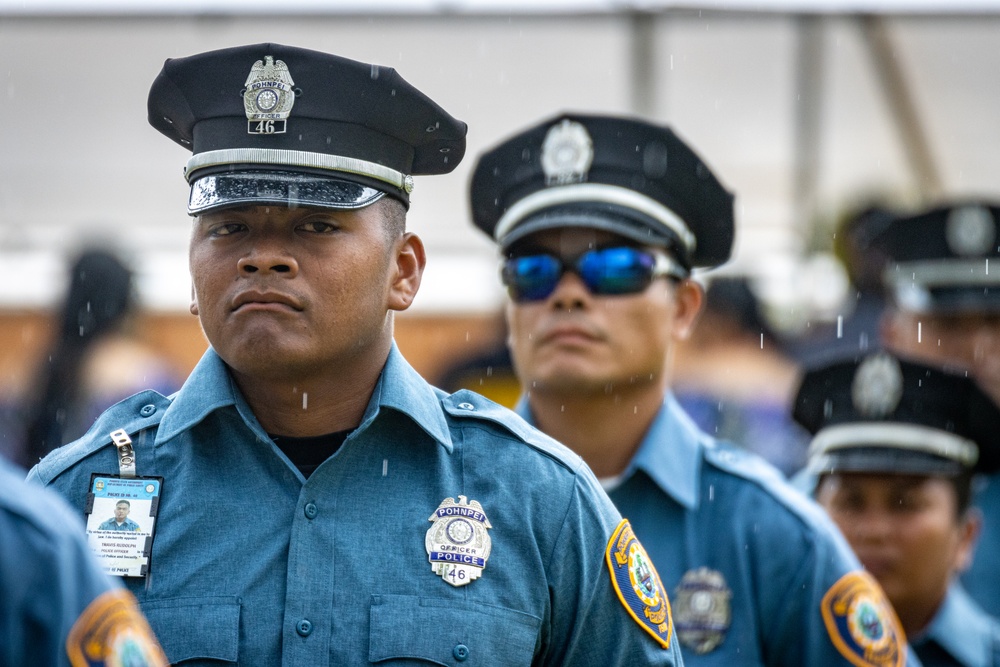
(32, 515)
(507, 424)
(133, 414)
(751, 471)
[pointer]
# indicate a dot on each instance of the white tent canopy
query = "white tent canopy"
(804, 109)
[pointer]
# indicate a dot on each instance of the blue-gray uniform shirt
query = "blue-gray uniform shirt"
(746, 559)
(252, 563)
(48, 576)
(128, 525)
(982, 579)
(960, 635)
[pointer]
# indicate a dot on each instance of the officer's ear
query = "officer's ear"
(406, 271)
(689, 295)
(194, 302)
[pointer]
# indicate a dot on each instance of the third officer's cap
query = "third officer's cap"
(274, 124)
(883, 414)
(621, 175)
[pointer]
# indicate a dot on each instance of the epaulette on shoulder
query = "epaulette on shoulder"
(749, 466)
(133, 414)
(470, 405)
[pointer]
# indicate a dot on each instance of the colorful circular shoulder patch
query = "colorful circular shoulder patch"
(111, 632)
(862, 624)
(638, 585)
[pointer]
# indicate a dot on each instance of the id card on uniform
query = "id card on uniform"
(121, 520)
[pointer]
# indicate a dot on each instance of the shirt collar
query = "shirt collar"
(211, 387)
(955, 622)
(670, 452)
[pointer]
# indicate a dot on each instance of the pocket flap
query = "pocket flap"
(450, 632)
(196, 628)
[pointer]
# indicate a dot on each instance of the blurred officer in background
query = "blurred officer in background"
(944, 280)
(95, 360)
(895, 447)
(600, 221)
(58, 607)
(358, 515)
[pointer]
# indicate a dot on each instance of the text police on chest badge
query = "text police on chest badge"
(457, 543)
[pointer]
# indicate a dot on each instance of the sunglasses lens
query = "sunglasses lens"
(531, 277)
(616, 270)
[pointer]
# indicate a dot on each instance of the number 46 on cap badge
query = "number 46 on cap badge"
(457, 543)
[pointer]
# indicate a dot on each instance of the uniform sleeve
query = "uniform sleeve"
(829, 611)
(52, 587)
(591, 622)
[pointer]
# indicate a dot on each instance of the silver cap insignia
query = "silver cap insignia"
(702, 609)
(877, 386)
(970, 231)
(268, 97)
(457, 543)
(567, 153)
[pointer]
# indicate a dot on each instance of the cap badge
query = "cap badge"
(970, 231)
(702, 610)
(268, 96)
(567, 153)
(457, 543)
(877, 386)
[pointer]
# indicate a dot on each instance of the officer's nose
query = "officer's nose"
(268, 258)
(571, 293)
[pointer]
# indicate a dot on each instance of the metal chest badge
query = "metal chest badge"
(457, 543)
(702, 609)
(638, 585)
(862, 624)
(268, 96)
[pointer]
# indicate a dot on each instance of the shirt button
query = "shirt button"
(466, 406)
(147, 410)
(304, 627)
(310, 510)
(461, 652)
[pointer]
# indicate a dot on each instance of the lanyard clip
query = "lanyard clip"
(126, 455)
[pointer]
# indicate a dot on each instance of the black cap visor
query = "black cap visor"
(885, 461)
(620, 220)
(229, 189)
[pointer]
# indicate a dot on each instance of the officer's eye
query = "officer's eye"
(318, 226)
(226, 228)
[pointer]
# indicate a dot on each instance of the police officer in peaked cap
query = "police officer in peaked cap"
(320, 503)
(895, 448)
(600, 221)
(943, 277)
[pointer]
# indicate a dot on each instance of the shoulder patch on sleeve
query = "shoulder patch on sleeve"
(861, 622)
(638, 585)
(112, 631)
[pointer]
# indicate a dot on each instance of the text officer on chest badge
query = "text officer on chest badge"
(457, 543)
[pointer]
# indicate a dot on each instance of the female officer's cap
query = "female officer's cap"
(273, 124)
(884, 415)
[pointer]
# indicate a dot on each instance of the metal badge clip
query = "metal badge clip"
(126, 455)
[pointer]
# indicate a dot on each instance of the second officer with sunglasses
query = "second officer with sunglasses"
(600, 221)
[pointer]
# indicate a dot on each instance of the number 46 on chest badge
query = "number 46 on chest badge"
(457, 543)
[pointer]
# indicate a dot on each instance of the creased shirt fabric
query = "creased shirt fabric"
(695, 503)
(253, 564)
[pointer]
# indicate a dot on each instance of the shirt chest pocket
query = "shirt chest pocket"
(410, 630)
(199, 630)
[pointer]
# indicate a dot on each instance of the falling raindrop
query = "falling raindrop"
(305, 400)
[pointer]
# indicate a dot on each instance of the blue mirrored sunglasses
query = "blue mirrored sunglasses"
(607, 271)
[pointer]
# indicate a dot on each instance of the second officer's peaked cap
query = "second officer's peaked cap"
(883, 414)
(622, 175)
(274, 124)
(945, 260)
